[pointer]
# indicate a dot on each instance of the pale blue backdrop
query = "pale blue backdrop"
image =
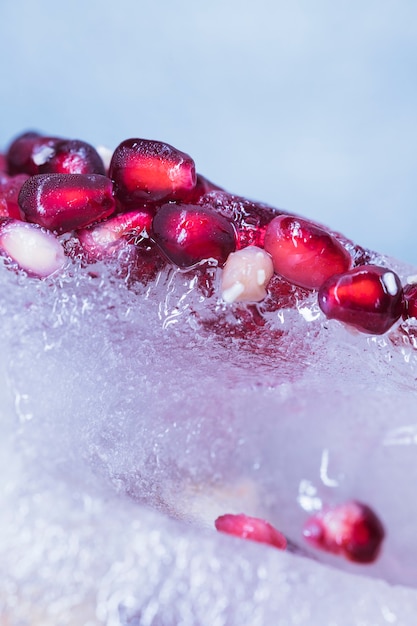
(310, 105)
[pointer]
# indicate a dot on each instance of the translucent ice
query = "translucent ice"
(132, 416)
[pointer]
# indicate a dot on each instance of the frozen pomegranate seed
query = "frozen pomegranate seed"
(27, 152)
(188, 234)
(70, 156)
(351, 529)
(63, 202)
(250, 218)
(32, 154)
(304, 253)
(145, 170)
(251, 528)
(368, 297)
(410, 301)
(246, 274)
(31, 247)
(106, 238)
(10, 187)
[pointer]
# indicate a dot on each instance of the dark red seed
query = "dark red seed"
(304, 253)
(64, 202)
(410, 301)
(10, 187)
(32, 154)
(188, 234)
(27, 152)
(251, 528)
(107, 238)
(145, 170)
(368, 297)
(351, 529)
(71, 156)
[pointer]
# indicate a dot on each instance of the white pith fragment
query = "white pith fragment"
(412, 280)
(390, 283)
(35, 250)
(246, 275)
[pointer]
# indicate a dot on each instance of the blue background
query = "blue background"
(310, 105)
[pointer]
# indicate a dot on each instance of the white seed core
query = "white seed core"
(246, 274)
(35, 250)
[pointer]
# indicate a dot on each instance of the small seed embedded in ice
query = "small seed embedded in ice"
(246, 274)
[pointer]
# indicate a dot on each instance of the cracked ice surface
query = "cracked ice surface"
(126, 429)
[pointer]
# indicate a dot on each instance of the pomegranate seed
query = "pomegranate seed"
(71, 156)
(188, 234)
(410, 301)
(250, 218)
(351, 529)
(3, 163)
(31, 247)
(106, 238)
(144, 170)
(10, 187)
(246, 275)
(63, 202)
(32, 154)
(368, 297)
(304, 253)
(251, 528)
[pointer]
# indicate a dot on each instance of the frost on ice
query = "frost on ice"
(132, 418)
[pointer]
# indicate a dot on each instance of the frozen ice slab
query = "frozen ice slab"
(131, 419)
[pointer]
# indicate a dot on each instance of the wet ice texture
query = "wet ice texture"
(127, 427)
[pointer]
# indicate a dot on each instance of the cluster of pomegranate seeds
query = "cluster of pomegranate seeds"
(153, 199)
(252, 528)
(351, 529)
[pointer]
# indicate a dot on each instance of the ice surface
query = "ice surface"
(130, 421)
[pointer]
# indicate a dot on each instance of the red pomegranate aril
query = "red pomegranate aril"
(27, 151)
(151, 171)
(188, 234)
(72, 156)
(410, 301)
(64, 202)
(32, 154)
(31, 248)
(304, 253)
(351, 530)
(252, 528)
(368, 297)
(106, 238)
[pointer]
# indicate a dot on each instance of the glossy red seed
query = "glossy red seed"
(188, 234)
(107, 238)
(27, 151)
(145, 170)
(351, 530)
(410, 301)
(71, 156)
(63, 202)
(10, 187)
(368, 297)
(250, 218)
(251, 528)
(304, 253)
(31, 248)
(32, 154)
